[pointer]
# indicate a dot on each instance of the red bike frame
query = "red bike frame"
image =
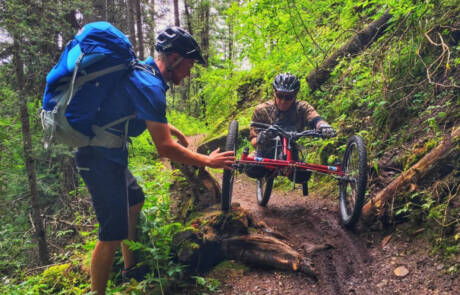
(290, 164)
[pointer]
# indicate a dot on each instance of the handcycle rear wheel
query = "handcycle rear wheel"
(264, 190)
(353, 188)
(231, 144)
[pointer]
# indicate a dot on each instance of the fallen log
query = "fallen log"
(358, 43)
(237, 235)
(412, 175)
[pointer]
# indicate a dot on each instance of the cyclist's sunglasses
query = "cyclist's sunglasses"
(285, 96)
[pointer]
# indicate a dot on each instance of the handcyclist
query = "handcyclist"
(289, 113)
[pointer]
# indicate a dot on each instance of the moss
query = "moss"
(418, 152)
(54, 273)
(62, 277)
(228, 268)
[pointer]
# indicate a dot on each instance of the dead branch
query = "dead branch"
(412, 175)
(443, 58)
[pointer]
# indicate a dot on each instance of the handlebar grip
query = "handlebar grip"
(260, 125)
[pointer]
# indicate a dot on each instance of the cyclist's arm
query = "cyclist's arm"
(314, 120)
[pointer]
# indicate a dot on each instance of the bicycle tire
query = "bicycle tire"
(231, 144)
(352, 192)
(264, 190)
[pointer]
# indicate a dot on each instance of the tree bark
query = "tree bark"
(176, 13)
(357, 44)
(140, 31)
(188, 17)
(239, 236)
(205, 9)
(37, 221)
(131, 22)
(151, 25)
(100, 11)
(376, 204)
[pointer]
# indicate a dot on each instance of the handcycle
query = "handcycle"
(351, 173)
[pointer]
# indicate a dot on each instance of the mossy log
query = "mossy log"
(358, 43)
(448, 145)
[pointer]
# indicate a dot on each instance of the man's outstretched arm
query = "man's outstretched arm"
(167, 147)
(180, 136)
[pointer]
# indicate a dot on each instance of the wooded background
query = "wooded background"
(400, 92)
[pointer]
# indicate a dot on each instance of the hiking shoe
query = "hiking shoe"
(137, 272)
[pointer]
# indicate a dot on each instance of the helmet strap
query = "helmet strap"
(174, 65)
(170, 68)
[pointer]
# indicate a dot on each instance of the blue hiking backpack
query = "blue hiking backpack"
(98, 50)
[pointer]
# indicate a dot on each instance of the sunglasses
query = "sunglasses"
(285, 96)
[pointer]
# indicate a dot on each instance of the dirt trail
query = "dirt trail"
(347, 262)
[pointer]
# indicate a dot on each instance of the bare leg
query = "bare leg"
(128, 256)
(101, 264)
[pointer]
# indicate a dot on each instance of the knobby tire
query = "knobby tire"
(264, 190)
(352, 191)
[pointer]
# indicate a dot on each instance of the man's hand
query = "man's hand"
(326, 130)
(221, 160)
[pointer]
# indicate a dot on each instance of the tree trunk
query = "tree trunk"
(100, 11)
(151, 25)
(176, 13)
(376, 204)
(187, 86)
(230, 44)
(131, 22)
(37, 221)
(140, 31)
(205, 8)
(357, 44)
(188, 17)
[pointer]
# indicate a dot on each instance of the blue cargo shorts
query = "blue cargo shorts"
(113, 190)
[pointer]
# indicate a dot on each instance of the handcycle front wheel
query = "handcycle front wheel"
(231, 144)
(264, 190)
(353, 187)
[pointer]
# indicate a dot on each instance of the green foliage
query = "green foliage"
(156, 227)
(210, 284)
(57, 279)
(187, 124)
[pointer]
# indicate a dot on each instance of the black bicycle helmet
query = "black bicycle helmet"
(175, 39)
(286, 83)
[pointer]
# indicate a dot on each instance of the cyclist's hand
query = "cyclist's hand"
(326, 130)
(221, 160)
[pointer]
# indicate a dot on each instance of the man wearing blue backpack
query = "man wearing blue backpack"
(135, 101)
